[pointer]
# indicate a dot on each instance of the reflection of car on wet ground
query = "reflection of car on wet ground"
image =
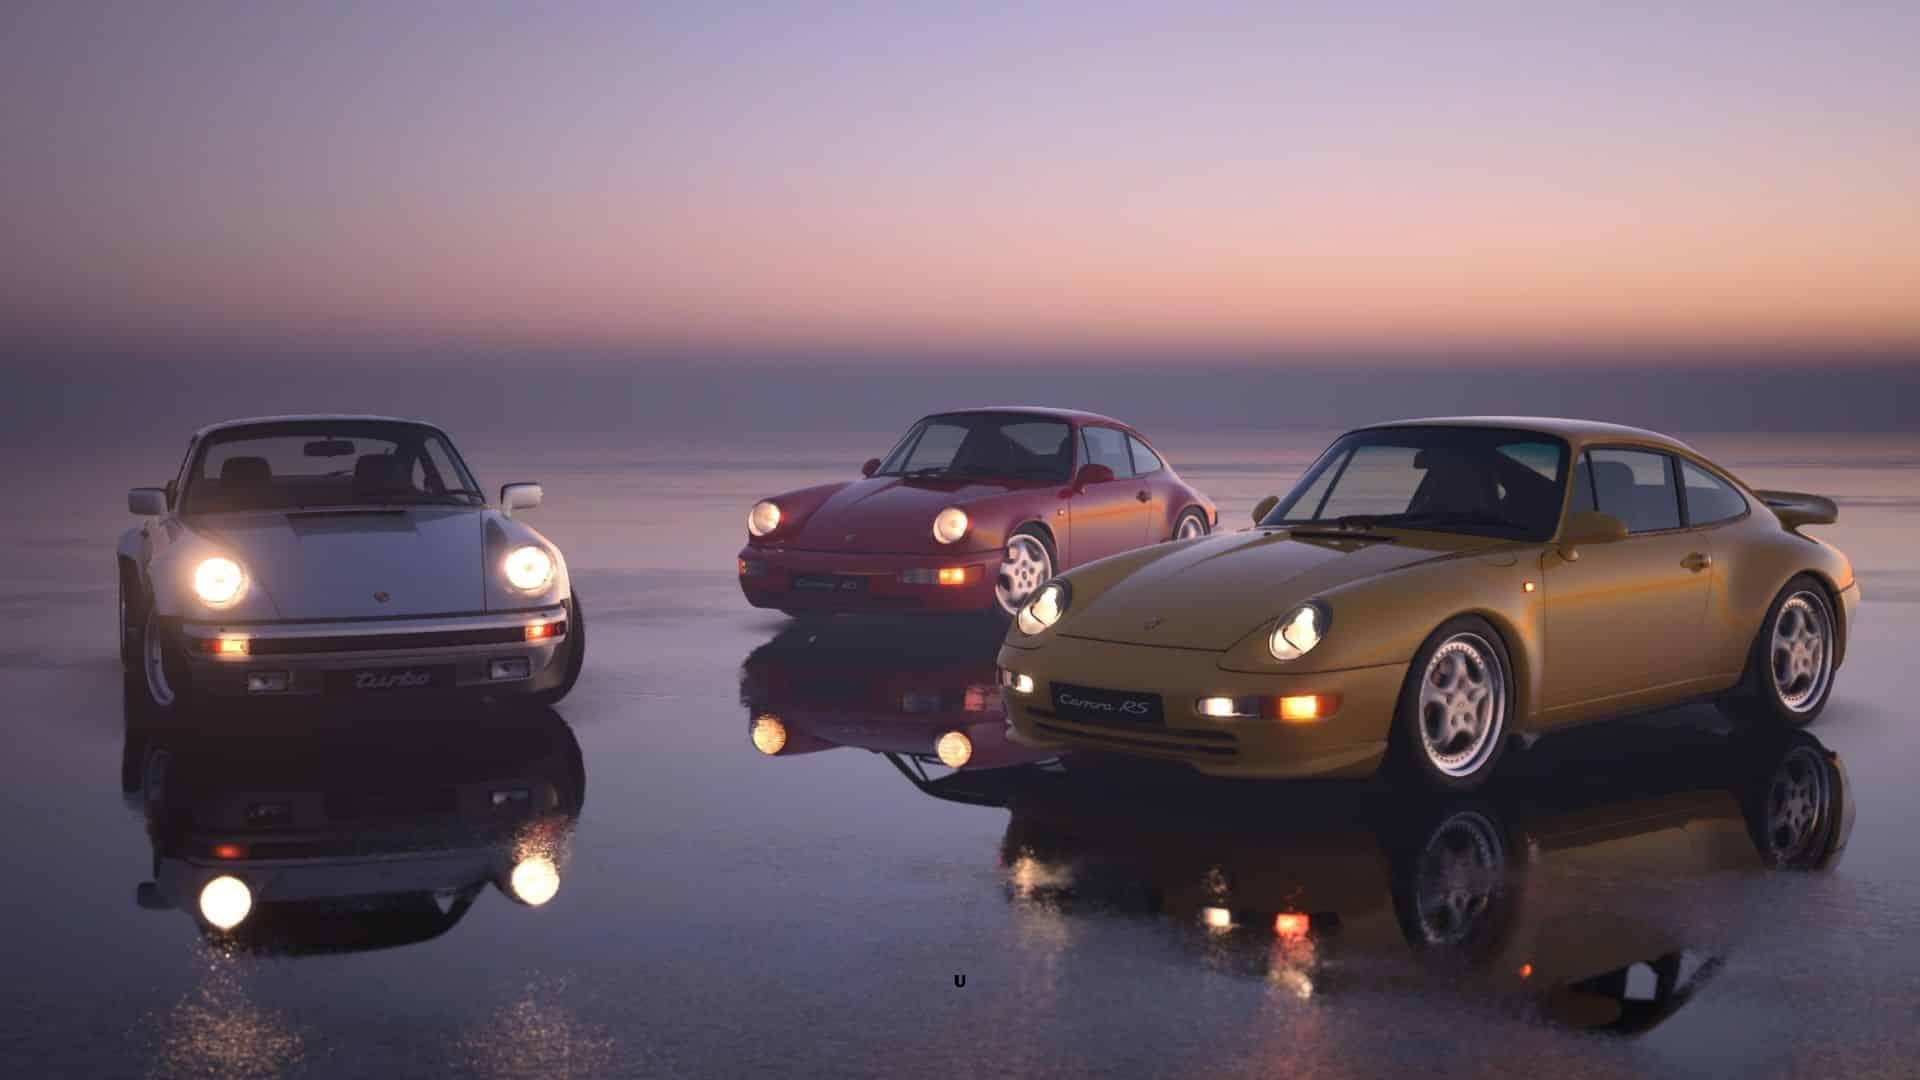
(1432, 589)
(1565, 894)
(969, 512)
(921, 690)
(381, 831)
(350, 556)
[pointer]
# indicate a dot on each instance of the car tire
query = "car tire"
(1027, 563)
(1455, 714)
(1789, 672)
(131, 617)
(161, 683)
(1190, 525)
(576, 654)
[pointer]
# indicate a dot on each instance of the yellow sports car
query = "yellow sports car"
(1433, 589)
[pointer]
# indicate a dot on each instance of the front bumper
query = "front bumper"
(865, 583)
(457, 655)
(1349, 743)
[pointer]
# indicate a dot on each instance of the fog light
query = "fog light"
(1016, 682)
(1216, 918)
(514, 668)
(1227, 708)
(1301, 707)
(1291, 925)
(954, 575)
(753, 567)
(541, 631)
(267, 682)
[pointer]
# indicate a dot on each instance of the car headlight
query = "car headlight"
(218, 581)
(534, 880)
(763, 518)
(1298, 632)
(1046, 607)
(225, 902)
(954, 749)
(529, 568)
(950, 525)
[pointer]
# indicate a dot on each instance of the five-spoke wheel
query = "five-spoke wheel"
(1026, 565)
(1452, 722)
(1790, 669)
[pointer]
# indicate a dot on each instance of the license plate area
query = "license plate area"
(389, 680)
(1107, 708)
(829, 583)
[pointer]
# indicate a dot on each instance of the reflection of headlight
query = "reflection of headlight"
(529, 568)
(1298, 633)
(764, 518)
(534, 880)
(225, 902)
(769, 734)
(955, 749)
(218, 581)
(950, 525)
(1045, 608)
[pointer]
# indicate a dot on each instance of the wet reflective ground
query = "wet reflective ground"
(737, 847)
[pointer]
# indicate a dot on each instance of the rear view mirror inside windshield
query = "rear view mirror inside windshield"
(329, 448)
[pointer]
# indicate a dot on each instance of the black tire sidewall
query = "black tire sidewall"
(1756, 699)
(1190, 512)
(1405, 749)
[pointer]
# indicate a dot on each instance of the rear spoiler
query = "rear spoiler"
(1795, 509)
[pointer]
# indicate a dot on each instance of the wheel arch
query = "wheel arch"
(1527, 669)
(1834, 607)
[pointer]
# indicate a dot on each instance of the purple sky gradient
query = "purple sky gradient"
(665, 179)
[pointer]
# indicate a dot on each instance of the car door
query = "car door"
(1712, 503)
(1151, 474)
(1108, 517)
(1625, 619)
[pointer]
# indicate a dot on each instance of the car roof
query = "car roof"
(1076, 415)
(300, 418)
(1578, 432)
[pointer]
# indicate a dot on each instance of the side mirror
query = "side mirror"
(519, 497)
(1589, 527)
(1092, 474)
(871, 466)
(1264, 507)
(147, 502)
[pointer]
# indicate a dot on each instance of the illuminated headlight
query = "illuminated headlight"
(219, 581)
(954, 748)
(950, 525)
(763, 518)
(534, 880)
(1045, 608)
(769, 734)
(225, 902)
(529, 568)
(1298, 632)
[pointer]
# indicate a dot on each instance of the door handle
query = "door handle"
(1697, 561)
(1143, 496)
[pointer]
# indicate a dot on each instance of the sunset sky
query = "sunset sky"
(641, 179)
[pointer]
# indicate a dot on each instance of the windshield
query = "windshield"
(1484, 481)
(322, 463)
(984, 444)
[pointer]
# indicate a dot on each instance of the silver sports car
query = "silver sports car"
(345, 556)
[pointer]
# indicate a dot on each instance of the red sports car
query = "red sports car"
(970, 512)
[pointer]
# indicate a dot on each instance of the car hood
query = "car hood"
(332, 564)
(892, 513)
(1211, 593)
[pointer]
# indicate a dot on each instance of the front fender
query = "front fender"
(169, 574)
(503, 535)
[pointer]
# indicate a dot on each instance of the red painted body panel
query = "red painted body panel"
(872, 528)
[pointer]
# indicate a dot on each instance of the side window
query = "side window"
(1144, 459)
(1582, 495)
(1637, 487)
(1107, 446)
(1709, 498)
